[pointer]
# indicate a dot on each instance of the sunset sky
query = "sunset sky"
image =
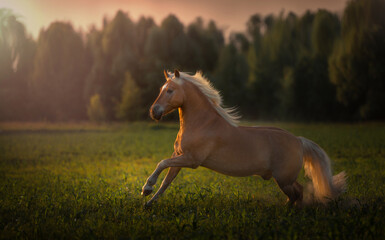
(230, 15)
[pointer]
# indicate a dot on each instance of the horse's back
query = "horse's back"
(265, 128)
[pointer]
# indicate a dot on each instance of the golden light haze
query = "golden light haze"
(230, 15)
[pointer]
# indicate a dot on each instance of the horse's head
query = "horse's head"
(170, 97)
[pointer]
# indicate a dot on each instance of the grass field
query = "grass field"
(71, 181)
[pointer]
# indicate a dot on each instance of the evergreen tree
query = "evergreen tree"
(268, 58)
(231, 76)
(130, 106)
(307, 92)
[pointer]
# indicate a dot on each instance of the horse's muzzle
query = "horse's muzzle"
(156, 112)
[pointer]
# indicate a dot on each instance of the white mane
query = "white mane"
(229, 114)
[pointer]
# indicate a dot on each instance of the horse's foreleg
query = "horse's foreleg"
(180, 161)
(172, 173)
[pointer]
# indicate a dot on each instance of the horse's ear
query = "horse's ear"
(176, 73)
(165, 74)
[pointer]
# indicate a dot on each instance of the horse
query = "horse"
(209, 136)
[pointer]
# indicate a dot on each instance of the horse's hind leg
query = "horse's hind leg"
(299, 192)
(294, 192)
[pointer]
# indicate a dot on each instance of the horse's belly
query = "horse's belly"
(236, 166)
(250, 151)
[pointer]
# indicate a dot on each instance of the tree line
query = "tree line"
(317, 66)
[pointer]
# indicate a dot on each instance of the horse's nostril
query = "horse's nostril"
(156, 112)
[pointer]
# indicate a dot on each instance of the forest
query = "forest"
(318, 66)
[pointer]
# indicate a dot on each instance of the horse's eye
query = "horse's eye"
(169, 91)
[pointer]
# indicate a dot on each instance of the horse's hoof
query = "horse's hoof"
(148, 205)
(298, 205)
(289, 203)
(147, 190)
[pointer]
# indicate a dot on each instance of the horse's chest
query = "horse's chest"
(178, 145)
(183, 143)
(177, 148)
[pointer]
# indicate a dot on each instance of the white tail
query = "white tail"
(317, 167)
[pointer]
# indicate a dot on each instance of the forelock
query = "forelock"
(174, 79)
(165, 85)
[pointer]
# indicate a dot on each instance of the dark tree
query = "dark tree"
(357, 64)
(59, 72)
(17, 51)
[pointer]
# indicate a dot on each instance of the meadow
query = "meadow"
(83, 181)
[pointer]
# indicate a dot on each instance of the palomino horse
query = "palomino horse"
(210, 137)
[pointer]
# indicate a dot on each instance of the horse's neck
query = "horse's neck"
(196, 109)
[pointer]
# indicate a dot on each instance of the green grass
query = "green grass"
(74, 181)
